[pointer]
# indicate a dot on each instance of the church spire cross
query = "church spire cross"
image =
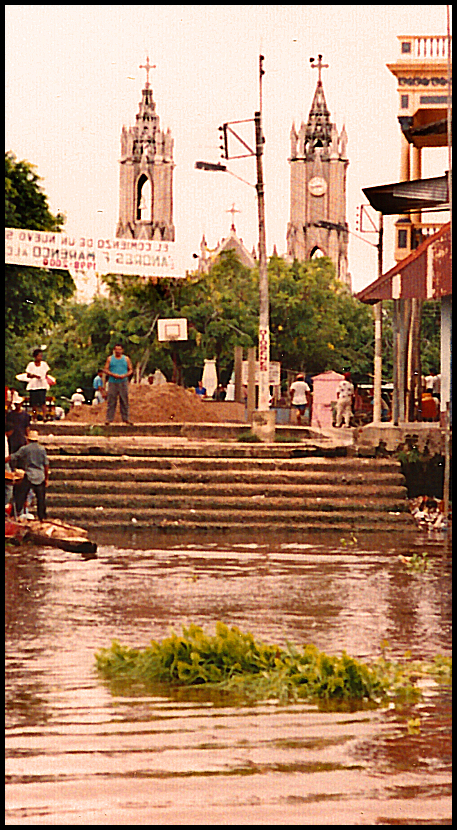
(147, 66)
(319, 66)
(233, 210)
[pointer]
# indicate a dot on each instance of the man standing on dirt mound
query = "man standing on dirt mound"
(119, 369)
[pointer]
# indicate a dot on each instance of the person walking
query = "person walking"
(119, 369)
(300, 396)
(344, 395)
(37, 386)
(31, 458)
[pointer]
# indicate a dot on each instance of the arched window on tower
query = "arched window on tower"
(144, 200)
(316, 253)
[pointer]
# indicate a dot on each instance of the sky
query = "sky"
(73, 80)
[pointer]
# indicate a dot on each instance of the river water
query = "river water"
(79, 753)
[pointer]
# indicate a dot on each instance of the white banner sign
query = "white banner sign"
(86, 254)
(275, 373)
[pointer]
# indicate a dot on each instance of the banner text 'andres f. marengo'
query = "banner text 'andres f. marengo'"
(43, 249)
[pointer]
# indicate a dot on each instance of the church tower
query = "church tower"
(146, 175)
(318, 165)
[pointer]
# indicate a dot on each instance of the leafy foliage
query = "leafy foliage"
(236, 662)
(430, 337)
(33, 296)
(316, 323)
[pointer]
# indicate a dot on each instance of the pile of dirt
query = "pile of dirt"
(161, 404)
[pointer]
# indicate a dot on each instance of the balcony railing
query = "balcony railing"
(434, 47)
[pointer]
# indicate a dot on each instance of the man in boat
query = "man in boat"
(31, 458)
(119, 370)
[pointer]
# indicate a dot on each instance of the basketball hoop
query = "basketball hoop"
(172, 328)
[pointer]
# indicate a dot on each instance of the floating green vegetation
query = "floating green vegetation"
(417, 562)
(233, 662)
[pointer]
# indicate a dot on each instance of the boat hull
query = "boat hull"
(53, 534)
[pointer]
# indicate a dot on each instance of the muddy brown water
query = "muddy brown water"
(78, 752)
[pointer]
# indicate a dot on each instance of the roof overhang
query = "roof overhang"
(402, 197)
(424, 274)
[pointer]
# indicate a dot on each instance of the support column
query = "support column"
(405, 166)
(446, 358)
(377, 380)
(251, 383)
(416, 173)
(395, 350)
(238, 374)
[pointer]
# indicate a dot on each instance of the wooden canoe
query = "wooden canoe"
(53, 533)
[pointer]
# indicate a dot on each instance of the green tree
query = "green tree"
(34, 297)
(431, 336)
(80, 343)
(222, 309)
(316, 323)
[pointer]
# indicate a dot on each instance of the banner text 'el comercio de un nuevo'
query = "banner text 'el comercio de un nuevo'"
(139, 257)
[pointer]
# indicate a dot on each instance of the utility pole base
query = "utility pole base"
(264, 426)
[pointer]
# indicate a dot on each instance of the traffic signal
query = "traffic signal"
(224, 141)
(358, 219)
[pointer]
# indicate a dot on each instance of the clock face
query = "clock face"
(317, 186)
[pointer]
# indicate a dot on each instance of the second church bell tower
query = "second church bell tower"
(146, 175)
(318, 165)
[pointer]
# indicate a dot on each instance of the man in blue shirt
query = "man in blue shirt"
(33, 460)
(98, 386)
(200, 389)
(119, 369)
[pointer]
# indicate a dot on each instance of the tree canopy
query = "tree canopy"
(33, 296)
(316, 324)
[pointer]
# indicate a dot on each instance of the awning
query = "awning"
(424, 274)
(401, 197)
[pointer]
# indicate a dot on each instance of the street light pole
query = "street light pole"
(264, 306)
(377, 380)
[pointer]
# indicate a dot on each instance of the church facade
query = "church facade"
(318, 166)
(146, 175)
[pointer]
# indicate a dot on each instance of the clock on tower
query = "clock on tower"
(318, 166)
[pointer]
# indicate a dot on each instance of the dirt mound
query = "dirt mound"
(160, 404)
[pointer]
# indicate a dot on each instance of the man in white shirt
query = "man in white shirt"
(429, 381)
(77, 398)
(37, 385)
(437, 386)
(300, 396)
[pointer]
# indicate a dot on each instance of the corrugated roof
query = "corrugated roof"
(424, 274)
(398, 197)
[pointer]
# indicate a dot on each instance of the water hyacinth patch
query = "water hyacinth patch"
(235, 662)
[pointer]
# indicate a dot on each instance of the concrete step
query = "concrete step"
(303, 489)
(143, 446)
(223, 462)
(135, 501)
(227, 487)
(121, 519)
(219, 479)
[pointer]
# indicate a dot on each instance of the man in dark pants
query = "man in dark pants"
(17, 423)
(31, 458)
(119, 370)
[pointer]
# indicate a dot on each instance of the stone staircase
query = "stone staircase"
(226, 487)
